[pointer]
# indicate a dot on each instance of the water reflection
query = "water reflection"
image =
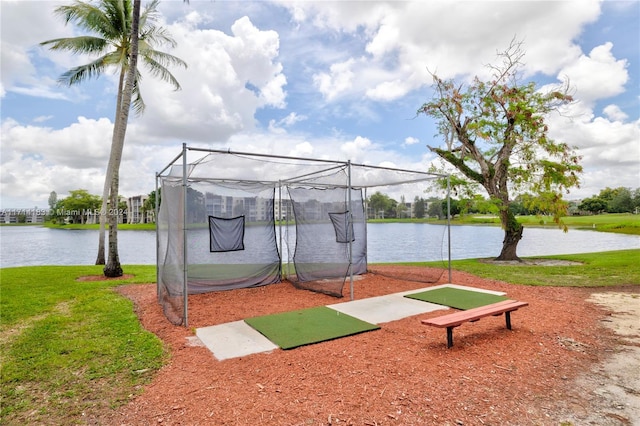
(389, 242)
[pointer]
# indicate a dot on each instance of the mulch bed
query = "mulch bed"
(402, 374)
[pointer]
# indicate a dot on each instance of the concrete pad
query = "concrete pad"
(392, 307)
(234, 339)
(237, 339)
(377, 310)
(458, 286)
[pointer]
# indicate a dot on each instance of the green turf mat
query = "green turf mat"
(457, 298)
(303, 327)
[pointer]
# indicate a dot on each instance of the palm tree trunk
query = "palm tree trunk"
(113, 268)
(100, 260)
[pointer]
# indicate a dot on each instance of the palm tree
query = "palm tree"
(122, 34)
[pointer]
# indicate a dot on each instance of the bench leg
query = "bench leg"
(449, 337)
(507, 316)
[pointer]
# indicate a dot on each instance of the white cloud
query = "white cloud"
(410, 140)
(407, 40)
(614, 113)
(42, 118)
(350, 57)
(227, 80)
(338, 80)
(598, 75)
(38, 160)
(290, 120)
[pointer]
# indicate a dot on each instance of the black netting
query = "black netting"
(226, 234)
(342, 226)
(237, 219)
(219, 231)
(171, 286)
(322, 250)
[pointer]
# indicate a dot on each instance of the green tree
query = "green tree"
(382, 205)
(53, 200)
(456, 207)
(401, 208)
(593, 205)
(496, 137)
(437, 208)
(78, 205)
(418, 207)
(149, 204)
(118, 33)
(635, 197)
(621, 202)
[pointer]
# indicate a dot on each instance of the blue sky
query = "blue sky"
(339, 80)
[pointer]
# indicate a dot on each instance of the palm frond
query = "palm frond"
(120, 12)
(157, 36)
(158, 70)
(163, 58)
(83, 72)
(150, 13)
(109, 23)
(87, 16)
(81, 44)
(137, 102)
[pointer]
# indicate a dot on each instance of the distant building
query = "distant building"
(28, 215)
(135, 210)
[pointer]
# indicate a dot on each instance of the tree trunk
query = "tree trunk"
(100, 260)
(512, 236)
(113, 268)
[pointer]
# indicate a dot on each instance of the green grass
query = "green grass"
(456, 298)
(619, 223)
(70, 347)
(306, 326)
(623, 223)
(604, 269)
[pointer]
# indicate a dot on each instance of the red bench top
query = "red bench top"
(457, 318)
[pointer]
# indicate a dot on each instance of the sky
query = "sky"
(340, 80)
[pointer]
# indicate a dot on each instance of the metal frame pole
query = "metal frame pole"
(279, 219)
(155, 212)
(185, 292)
(350, 230)
(449, 223)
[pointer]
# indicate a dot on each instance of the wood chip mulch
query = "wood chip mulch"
(402, 374)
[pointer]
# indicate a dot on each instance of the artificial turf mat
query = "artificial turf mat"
(457, 298)
(303, 327)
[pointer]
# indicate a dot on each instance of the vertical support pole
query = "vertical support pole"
(365, 205)
(449, 337)
(155, 212)
(507, 316)
(449, 223)
(185, 291)
(279, 219)
(350, 230)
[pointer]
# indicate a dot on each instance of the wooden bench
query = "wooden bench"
(457, 318)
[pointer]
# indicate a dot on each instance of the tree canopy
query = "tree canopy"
(496, 137)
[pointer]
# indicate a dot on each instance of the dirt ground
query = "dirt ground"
(572, 356)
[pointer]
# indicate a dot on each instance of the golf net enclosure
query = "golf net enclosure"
(231, 220)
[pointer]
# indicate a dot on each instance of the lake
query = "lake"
(387, 242)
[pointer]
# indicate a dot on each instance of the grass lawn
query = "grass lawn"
(605, 269)
(70, 347)
(623, 223)
(619, 223)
